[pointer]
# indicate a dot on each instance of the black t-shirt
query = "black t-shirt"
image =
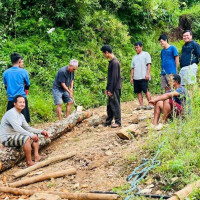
(63, 76)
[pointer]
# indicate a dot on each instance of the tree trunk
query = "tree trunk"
(10, 156)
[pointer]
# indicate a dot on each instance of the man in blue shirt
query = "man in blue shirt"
(189, 59)
(15, 79)
(170, 61)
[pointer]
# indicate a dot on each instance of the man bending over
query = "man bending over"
(15, 131)
(175, 99)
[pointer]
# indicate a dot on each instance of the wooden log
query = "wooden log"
(43, 163)
(10, 156)
(43, 177)
(70, 196)
(186, 191)
(129, 132)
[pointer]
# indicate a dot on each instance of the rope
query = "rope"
(141, 171)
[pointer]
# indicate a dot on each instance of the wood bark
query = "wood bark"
(43, 177)
(70, 196)
(43, 163)
(186, 191)
(10, 156)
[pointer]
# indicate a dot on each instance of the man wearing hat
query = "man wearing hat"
(63, 88)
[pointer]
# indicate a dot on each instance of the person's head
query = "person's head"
(19, 102)
(73, 65)
(21, 64)
(138, 47)
(106, 50)
(16, 59)
(163, 40)
(174, 80)
(187, 36)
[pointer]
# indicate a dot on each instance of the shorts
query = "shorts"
(164, 81)
(60, 96)
(177, 108)
(25, 111)
(188, 74)
(16, 141)
(140, 86)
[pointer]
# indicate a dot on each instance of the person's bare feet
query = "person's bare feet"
(38, 158)
(30, 163)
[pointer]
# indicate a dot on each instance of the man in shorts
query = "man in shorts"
(170, 61)
(189, 59)
(15, 131)
(15, 80)
(140, 73)
(63, 88)
(177, 100)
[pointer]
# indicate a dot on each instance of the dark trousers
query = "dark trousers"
(113, 108)
(25, 111)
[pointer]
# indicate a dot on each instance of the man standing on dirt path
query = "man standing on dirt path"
(140, 74)
(175, 102)
(189, 59)
(15, 131)
(15, 79)
(63, 88)
(170, 61)
(113, 88)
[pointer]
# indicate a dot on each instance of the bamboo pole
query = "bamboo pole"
(43, 177)
(70, 196)
(43, 163)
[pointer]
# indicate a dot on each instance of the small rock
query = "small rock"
(158, 192)
(105, 148)
(44, 196)
(150, 186)
(84, 186)
(76, 185)
(146, 191)
(135, 120)
(142, 118)
(108, 153)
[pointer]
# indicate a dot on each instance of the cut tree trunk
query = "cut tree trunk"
(10, 156)
(75, 196)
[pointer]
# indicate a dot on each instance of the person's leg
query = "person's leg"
(35, 146)
(27, 151)
(26, 112)
(109, 113)
(157, 110)
(59, 111)
(10, 105)
(148, 95)
(138, 91)
(140, 98)
(68, 109)
(166, 110)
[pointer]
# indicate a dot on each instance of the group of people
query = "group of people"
(15, 131)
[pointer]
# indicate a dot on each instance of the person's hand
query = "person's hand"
(109, 94)
(35, 138)
(45, 133)
(147, 77)
(131, 81)
(71, 94)
(152, 102)
(106, 92)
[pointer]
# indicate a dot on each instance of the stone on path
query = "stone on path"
(129, 132)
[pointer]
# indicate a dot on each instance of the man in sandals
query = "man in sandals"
(15, 131)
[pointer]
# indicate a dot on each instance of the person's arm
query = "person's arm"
(71, 85)
(4, 81)
(132, 74)
(26, 79)
(164, 97)
(67, 89)
(28, 128)
(147, 77)
(196, 50)
(177, 62)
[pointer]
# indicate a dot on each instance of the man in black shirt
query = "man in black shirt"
(189, 59)
(113, 88)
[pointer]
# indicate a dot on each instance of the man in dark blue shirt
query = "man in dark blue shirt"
(189, 59)
(15, 79)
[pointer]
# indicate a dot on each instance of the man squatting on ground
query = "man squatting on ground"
(177, 100)
(189, 59)
(63, 88)
(170, 61)
(140, 73)
(113, 88)
(15, 131)
(16, 79)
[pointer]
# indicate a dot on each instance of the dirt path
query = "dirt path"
(102, 160)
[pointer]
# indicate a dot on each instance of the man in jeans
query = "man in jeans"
(63, 88)
(189, 59)
(113, 88)
(170, 61)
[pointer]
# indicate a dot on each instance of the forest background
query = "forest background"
(81, 28)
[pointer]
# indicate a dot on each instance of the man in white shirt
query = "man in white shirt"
(15, 131)
(140, 73)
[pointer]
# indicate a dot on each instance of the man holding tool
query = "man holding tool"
(63, 88)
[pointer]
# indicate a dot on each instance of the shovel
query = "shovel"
(77, 108)
(75, 105)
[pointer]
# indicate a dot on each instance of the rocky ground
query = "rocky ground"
(102, 160)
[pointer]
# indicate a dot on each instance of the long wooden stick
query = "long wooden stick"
(43, 177)
(43, 163)
(71, 196)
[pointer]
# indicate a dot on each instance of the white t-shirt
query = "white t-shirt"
(139, 63)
